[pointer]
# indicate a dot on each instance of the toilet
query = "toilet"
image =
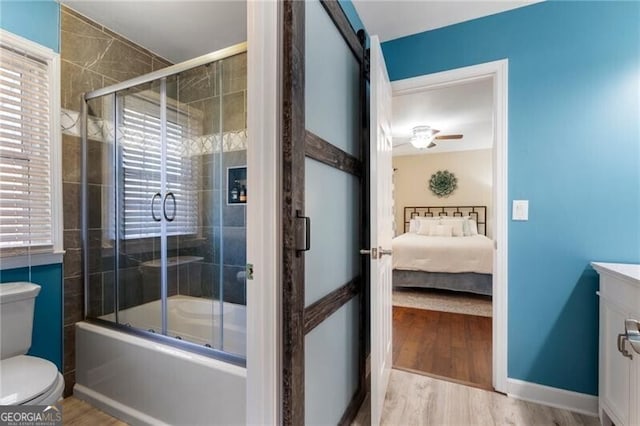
(25, 379)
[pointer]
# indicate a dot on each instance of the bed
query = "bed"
(444, 248)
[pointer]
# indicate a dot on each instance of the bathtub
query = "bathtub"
(191, 318)
(142, 381)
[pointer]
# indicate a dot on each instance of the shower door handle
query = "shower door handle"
(164, 207)
(153, 211)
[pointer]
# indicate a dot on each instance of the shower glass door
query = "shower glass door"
(193, 169)
(138, 197)
(164, 206)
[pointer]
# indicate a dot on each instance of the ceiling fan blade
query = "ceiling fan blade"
(432, 144)
(400, 144)
(448, 137)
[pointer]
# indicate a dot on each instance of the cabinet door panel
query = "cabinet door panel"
(616, 377)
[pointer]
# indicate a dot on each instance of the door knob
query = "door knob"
(373, 252)
(384, 252)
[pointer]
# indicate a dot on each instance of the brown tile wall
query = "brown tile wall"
(202, 89)
(92, 57)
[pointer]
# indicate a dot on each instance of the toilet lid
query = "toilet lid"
(24, 377)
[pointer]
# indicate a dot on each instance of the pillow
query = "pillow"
(472, 227)
(441, 231)
(457, 223)
(456, 228)
(414, 224)
(425, 226)
(432, 218)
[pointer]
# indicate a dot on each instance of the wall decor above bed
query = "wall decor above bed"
(443, 183)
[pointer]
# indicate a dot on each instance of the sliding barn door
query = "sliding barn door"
(324, 214)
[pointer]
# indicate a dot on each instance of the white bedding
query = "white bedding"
(414, 252)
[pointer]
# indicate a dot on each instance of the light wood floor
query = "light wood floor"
(76, 412)
(414, 399)
(444, 344)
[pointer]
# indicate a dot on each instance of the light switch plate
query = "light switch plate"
(520, 210)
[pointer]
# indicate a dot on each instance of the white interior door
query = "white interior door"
(381, 230)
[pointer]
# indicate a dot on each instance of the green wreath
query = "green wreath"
(443, 183)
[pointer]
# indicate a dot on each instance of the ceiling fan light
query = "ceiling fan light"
(423, 132)
(420, 142)
(422, 137)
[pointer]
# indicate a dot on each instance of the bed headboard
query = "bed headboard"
(478, 213)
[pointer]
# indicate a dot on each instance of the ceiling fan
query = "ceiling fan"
(424, 137)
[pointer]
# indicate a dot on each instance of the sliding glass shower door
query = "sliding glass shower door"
(170, 239)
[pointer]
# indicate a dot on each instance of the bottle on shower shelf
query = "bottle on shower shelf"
(243, 194)
(235, 192)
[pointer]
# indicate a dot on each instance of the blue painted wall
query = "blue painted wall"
(352, 15)
(574, 152)
(37, 21)
(47, 324)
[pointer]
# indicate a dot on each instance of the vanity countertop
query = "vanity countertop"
(629, 272)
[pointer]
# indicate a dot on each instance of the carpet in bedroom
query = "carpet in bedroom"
(443, 301)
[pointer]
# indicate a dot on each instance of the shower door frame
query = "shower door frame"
(161, 76)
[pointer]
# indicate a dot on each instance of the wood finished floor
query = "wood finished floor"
(414, 399)
(79, 413)
(411, 399)
(443, 344)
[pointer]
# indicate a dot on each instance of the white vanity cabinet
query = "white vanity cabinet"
(619, 363)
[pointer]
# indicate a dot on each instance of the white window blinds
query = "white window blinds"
(25, 153)
(142, 171)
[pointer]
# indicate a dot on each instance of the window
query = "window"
(142, 169)
(30, 190)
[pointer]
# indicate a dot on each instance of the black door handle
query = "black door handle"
(164, 207)
(153, 212)
(307, 232)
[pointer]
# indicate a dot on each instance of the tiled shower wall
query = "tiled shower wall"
(212, 101)
(91, 57)
(223, 229)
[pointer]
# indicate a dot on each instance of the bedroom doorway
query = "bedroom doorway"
(450, 205)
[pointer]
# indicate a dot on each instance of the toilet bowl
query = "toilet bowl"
(26, 380)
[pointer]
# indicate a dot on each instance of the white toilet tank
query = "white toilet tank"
(17, 301)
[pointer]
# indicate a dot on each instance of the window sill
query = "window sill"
(37, 259)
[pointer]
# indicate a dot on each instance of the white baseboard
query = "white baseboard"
(553, 397)
(113, 408)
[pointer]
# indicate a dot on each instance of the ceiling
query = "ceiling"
(411, 17)
(181, 30)
(463, 108)
(174, 30)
